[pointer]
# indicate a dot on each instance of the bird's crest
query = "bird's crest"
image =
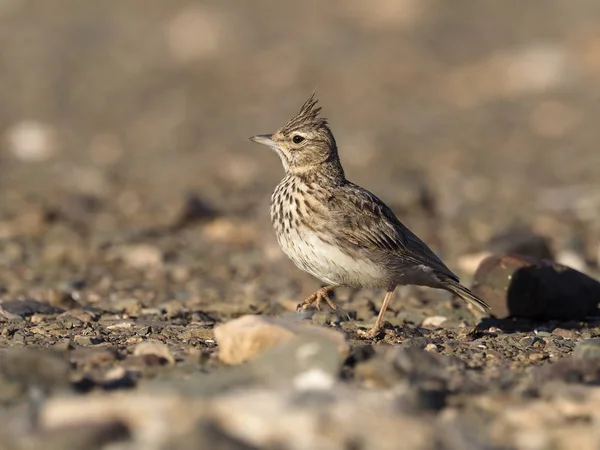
(308, 116)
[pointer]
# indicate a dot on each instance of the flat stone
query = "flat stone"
(28, 307)
(587, 349)
(29, 367)
(154, 350)
(306, 361)
(245, 338)
(433, 321)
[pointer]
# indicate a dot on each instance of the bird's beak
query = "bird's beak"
(264, 139)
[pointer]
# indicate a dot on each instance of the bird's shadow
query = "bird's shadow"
(527, 325)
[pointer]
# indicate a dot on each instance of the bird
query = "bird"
(339, 232)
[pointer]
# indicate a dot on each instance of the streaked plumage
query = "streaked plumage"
(339, 232)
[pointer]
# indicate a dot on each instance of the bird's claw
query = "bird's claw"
(317, 298)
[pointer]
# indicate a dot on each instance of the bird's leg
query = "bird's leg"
(318, 297)
(378, 325)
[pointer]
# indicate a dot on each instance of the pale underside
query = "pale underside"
(334, 267)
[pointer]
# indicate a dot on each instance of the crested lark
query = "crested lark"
(339, 232)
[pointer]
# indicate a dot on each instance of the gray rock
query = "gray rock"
(28, 307)
(587, 349)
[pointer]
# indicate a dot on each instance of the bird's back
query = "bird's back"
(366, 225)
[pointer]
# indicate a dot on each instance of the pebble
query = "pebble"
(92, 356)
(154, 349)
(32, 141)
(86, 340)
(129, 306)
(433, 321)
(536, 356)
(307, 362)
(587, 349)
(567, 334)
(245, 338)
(141, 256)
(196, 332)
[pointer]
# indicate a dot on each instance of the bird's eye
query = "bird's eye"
(297, 139)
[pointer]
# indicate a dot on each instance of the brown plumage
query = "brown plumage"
(339, 232)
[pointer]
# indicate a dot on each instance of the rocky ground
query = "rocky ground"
(144, 302)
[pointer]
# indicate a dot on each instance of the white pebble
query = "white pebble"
(31, 141)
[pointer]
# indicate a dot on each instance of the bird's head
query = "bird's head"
(305, 143)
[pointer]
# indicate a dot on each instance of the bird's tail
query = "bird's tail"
(456, 288)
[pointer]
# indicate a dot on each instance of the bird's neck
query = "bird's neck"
(325, 172)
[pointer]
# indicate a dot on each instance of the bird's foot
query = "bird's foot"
(317, 298)
(371, 333)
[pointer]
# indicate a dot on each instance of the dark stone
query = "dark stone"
(522, 286)
(569, 370)
(359, 354)
(416, 342)
(28, 307)
(195, 210)
(32, 372)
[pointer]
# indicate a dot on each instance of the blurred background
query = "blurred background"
(125, 167)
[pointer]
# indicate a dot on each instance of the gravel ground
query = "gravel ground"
(134, 222)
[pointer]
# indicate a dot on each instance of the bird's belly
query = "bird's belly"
(328, 263)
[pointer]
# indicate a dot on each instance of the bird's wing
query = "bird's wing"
(368, 224)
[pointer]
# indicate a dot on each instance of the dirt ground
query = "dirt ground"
(134, 210)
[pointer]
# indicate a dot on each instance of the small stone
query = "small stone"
(430, 348)
(80, 314)
(141, 256)
(32, 141)
(527, 341)
(245, 338)
(172, 307)
(587, 349)
(86, 340)
(129, 306)
(179, 274)
(307, 362)
(143, 331)
(37, 318)
(154, 350)
(433, 321)
(92, 356)
(567, 334)
(536, 356)
(196, 332)
(119, 326)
